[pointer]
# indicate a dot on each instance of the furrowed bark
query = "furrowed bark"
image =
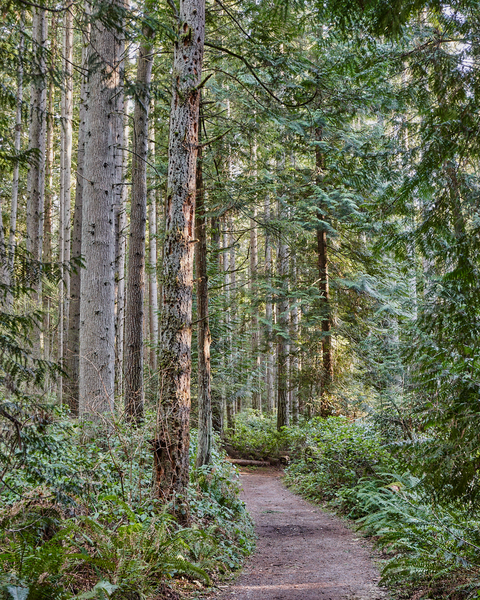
(97, 298)
(172, 436)
(134, 316)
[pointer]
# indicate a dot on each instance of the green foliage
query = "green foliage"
(338, 454)
(255, 436)
(427, 542)
(80, 520)
(424, 542)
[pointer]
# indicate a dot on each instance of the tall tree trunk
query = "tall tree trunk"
(72, 352)
(256, 393)
(97, 298)
(218, 395)
(236, 400)
(282, 338)
(49, 189)
(294, 349)
(322, 252)
(37, 142)
(226, 349)
(65, 183)
(269, 378)
(121, 227)
(172, 436)
(204, 446)
(134, 316)
(12, 241)
(152, 270)
(120, 211)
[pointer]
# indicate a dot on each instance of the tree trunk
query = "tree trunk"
(12, 241)
(282, 338)
(37, 141)
(65, 183)
(172, 436)
(134, 316)
(235, 400)
(204, 446)
(322, 252)
(226, 336)
(153, 288)
(269, 379)
(49, 190)
(97, 298)
(72, 352)
(256, 393)
(121, 227)
(294, 349)
(218, 395)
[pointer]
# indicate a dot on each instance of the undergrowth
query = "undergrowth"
(430, 546)
(79, 519)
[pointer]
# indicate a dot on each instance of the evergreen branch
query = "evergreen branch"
(263, 85)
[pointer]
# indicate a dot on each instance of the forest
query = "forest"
(236, 230)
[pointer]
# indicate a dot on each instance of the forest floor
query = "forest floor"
(303, 553)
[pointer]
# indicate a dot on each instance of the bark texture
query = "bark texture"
(97, 298)
(172, 436)
(134, 316)
(204, 446)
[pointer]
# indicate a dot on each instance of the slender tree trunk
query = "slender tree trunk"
(65, 184)
(121, 226)
(49, 190)
(72, 352)
(236, 400)
(12, 242)
(269, 378)
(152, 271)
(282, 338)
(49, 161)
(322, 252)
(256, 393)
(294, 350)
(218, 395)
(134, 316)
(4, 274)
(172, 436)
(121, 140)
(97, 298)
(37, 142)
(226, 351)
(204, 446)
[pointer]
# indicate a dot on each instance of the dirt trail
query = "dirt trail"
(302, 552)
